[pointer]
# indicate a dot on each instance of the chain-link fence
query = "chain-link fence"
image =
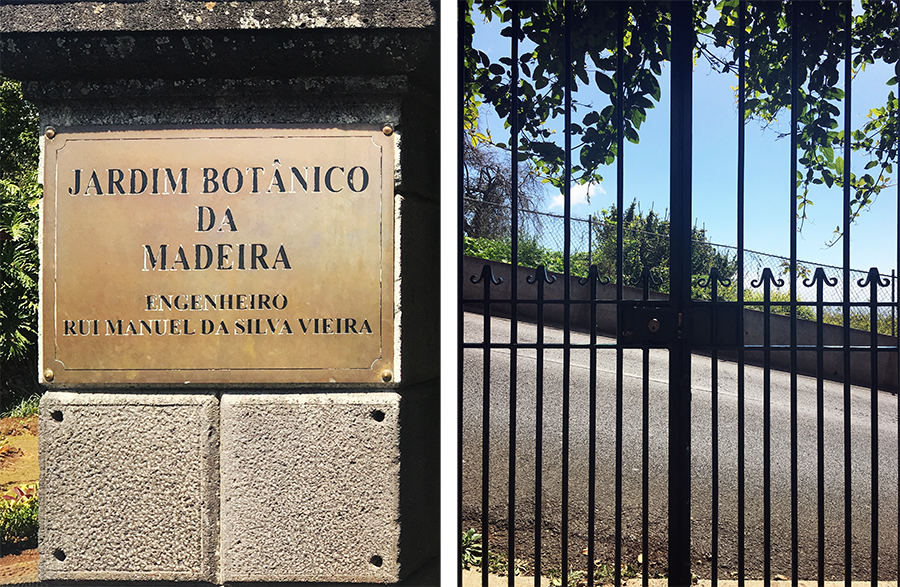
(594, 240)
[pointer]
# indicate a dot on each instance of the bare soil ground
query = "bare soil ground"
(18, 466)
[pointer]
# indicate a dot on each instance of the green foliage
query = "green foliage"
(25, 407)
(820, 62)
(645, 245)
(531, 253)
(471, 549)
(604, 574)
(19, 517)
(20, 196)
(860, 319)
(594, 37)
(487, 248)
(755, 301)
(19, 201)
(498, 563)
(768, 33)
(19, 126)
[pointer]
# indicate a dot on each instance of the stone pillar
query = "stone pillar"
(244, 477)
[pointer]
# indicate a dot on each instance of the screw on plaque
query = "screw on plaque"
(50, 132)
(48, 374)
(388, 130)
(386, 375)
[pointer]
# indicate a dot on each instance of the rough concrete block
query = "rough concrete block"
(311, 487)
(128, 487)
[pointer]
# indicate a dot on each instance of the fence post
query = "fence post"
(680, 296)
(590, 226)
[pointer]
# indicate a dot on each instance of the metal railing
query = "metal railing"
(635, 453)
(541, 243)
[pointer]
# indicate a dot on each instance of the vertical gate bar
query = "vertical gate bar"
(620, 387)
(820, 426)
(592, 424)
(795, 58)
(848, 488)
(742, 8)
(486, 432)
(714, 329)
(620, 146)
(645, 452)
(620, 384)
(567, 286)
(460, 189)
(680, 296)
(767, 426)
(896, 306)
(539, 428)
(645, 469)
(874, 282)
(621, 9)
(514, 292)
(620, 390)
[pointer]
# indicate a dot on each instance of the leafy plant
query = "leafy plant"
(471, 549)
(603, 574)
(766, 32)
(574, 578)
(19, 259)
(498, 563)
(645, 245)
(19, 517)
(26, 407)
(531, 253)
(19, 199)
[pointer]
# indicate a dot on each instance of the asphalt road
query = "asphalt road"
(576, 505)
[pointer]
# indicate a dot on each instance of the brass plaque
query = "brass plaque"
(218, 256)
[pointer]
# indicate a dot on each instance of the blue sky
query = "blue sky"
(768, 205)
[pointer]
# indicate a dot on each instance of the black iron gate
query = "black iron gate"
(537, 446)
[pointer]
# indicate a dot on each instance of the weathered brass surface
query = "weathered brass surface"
(218, 256)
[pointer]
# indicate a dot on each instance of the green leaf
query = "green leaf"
(591, 118)
(631, 134)
(604, 83)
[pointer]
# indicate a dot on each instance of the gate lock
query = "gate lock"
(646, 326)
